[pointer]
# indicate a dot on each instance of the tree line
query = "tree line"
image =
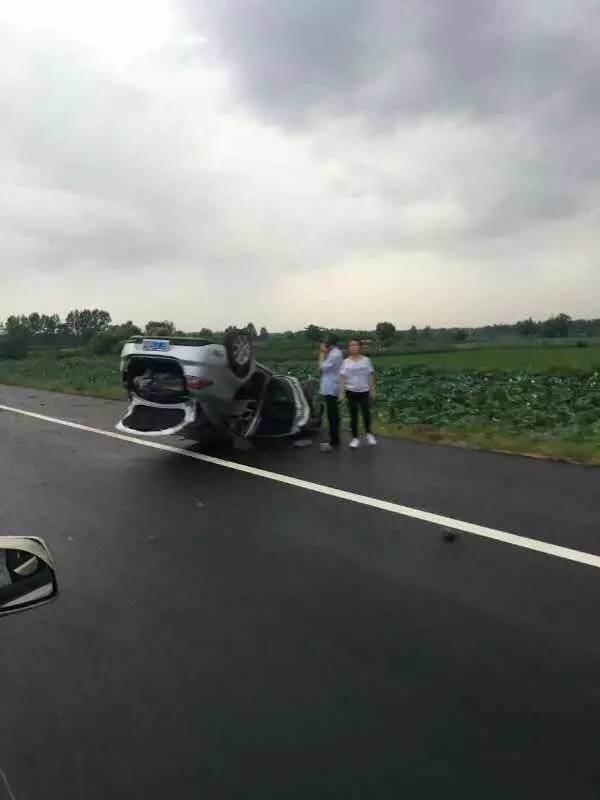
(94, 328)
(560, 326)
(85, 326)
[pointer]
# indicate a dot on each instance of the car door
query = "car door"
(283, 409)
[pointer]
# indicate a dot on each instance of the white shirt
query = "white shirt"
(330, 372)
(357, 373)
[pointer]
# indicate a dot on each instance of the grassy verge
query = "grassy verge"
(553, 448)
(92, 376)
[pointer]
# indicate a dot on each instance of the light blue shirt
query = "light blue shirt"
(330, 372)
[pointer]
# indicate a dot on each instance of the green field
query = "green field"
(529, 359)
(537, 400)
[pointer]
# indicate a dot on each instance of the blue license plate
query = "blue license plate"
(156, 345)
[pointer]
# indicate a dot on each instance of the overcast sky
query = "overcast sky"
(291, 161)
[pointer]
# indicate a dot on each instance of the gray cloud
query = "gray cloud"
(75, 132)
(390, 63)
(383, 60)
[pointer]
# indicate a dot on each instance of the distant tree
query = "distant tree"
(100, 320)
(49, 324)
(460, 335)
(112, 339)
(426, 332)
(526, 327)
(105, 343)
(88, 322)
(72, 322)
(264, 334)
(93, 322)
(128, 329)
(15, 346)
(15, 342)
(35, 323)
(384, 331)
(206, 333)
(313, 333)
(64, 330)
(585, 327)
(17, 323)
(251, 330)
(557, 327)
(164, 328)
(413, 333)
(86, 325)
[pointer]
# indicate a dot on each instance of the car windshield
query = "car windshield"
(299, 399)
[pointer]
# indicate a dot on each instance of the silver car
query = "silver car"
(182, 385)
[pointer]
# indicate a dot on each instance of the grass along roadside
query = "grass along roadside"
(553, 448)
(88, 375)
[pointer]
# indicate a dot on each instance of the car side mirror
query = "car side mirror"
(27, 573)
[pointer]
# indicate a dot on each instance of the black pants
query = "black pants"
(333, 419)
(362, 401)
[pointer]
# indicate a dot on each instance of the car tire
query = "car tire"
(238, 346)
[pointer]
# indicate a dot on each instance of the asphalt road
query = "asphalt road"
(220, 635)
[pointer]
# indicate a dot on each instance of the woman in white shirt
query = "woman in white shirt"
(358, 385)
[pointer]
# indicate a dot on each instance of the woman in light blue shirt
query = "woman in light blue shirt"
(330, 364)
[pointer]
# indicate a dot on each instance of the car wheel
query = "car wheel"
(238, 345)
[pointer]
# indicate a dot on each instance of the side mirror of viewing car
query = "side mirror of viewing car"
(27, 573)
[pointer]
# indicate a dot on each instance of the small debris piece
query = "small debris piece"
(448, 535)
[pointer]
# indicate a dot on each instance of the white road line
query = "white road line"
(7, 784)
(525, 542)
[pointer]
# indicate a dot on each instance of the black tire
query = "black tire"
(238, 345)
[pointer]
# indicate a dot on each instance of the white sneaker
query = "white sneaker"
(371, 439)
(354, 444)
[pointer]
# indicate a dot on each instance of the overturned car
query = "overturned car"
(184, 386)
